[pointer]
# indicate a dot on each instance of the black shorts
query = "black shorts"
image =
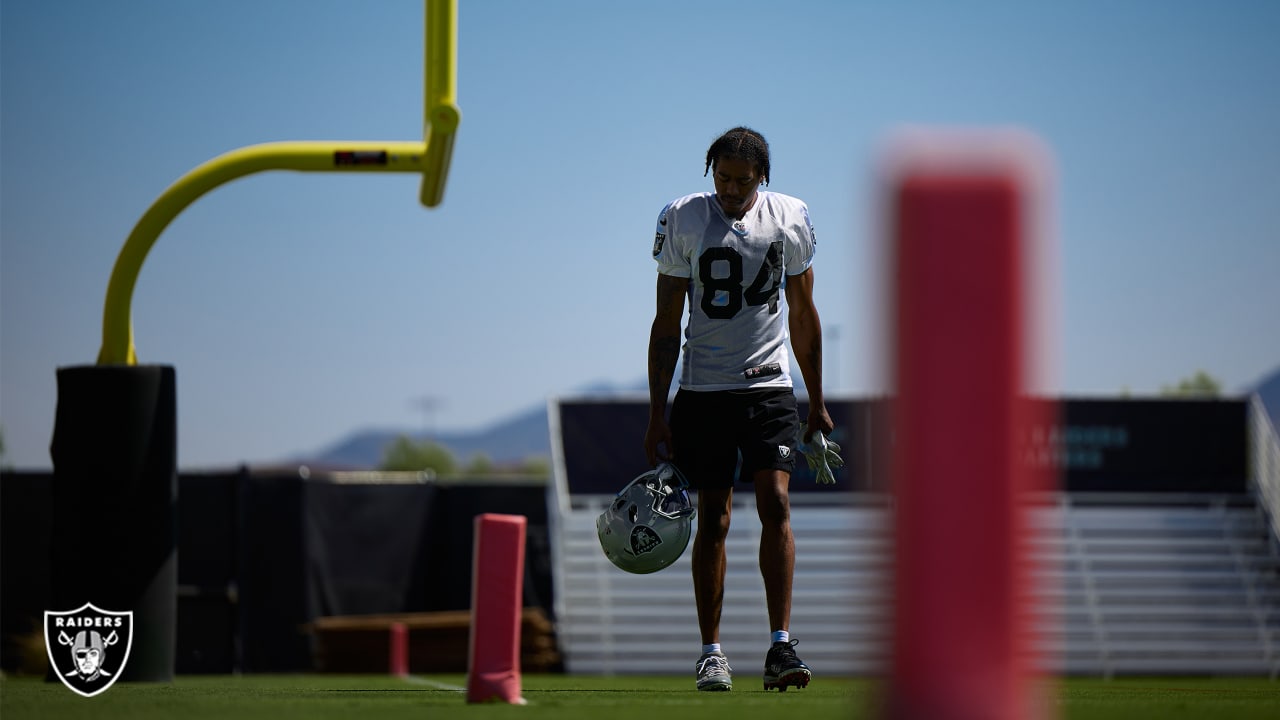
(710, 429)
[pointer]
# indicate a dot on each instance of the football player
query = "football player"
(735, 254)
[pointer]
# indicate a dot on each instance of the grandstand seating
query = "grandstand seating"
(1129, 585)
(1188, 588)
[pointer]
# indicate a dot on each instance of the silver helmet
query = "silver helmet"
(647, 526)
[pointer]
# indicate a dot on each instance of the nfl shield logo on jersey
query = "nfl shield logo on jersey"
(88, 647)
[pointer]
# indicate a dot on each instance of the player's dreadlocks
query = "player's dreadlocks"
(743, 143)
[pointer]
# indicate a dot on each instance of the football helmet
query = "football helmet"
(647, 526)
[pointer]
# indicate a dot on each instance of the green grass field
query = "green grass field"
(551, 697)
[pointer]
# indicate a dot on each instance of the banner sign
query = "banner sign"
(1120, 445)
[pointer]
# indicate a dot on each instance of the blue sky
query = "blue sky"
(299, 307)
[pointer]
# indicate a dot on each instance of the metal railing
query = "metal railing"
(1264, 463)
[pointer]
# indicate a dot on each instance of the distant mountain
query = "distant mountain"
(523, 436)
(527, 434)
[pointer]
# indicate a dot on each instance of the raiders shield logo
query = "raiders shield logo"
(88, 647)
(643, 540)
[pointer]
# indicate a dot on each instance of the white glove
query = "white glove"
(822, 454)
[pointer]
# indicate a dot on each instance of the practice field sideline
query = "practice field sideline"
(551, 697)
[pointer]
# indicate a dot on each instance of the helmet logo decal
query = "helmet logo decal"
(644, 539)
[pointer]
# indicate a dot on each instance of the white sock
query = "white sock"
(711, 648)
(781, 636)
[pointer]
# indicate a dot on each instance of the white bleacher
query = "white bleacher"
(1144, 588)
(1131, 587)
(1142, 584)
(613, 622)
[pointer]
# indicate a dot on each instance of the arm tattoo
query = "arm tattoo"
(664, 339)
(663, 354)
(815, 357)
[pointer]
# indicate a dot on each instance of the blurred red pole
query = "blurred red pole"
(497, 582)
(398, 647)
(962, 615)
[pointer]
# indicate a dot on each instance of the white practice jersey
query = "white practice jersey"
(736, 336)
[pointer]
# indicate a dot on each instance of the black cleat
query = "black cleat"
(783, 668)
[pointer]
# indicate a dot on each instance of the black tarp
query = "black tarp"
(262, 555)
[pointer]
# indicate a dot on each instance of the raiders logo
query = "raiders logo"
(658, 239)
(88, 647)
(643, 540)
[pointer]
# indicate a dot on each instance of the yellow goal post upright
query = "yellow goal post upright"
(431, 157)
(114, 446)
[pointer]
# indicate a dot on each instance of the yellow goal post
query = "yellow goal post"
(431, 157)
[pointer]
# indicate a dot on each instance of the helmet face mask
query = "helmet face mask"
(647, 526)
